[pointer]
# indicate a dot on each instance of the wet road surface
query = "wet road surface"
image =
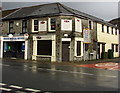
(52, 77)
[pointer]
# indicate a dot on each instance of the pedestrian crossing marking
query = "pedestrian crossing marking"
(18, 89)
(5, 89)
(2, 84)
(13, 86)
(34, 90)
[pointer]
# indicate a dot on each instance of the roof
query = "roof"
(51, 9)
(115, 21)
(7, 12)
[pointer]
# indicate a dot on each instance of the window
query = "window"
(24, 26)
(116, 48)
(102, 27)
(113, 47)
(90, 25)
(44, 47)
(53, 23)
(107, 29)
(78, 48)
(112, 30)
(116, 31)
(11, 23)
(35, 25)
(86, 47)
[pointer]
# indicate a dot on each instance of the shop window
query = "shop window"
(35, 25)
(102, 27)
(86, 47)
(53, 23)
(44, 47)
(24, 26)
(112, 30)
(78, 48)
(116, 48)
(11, 23)
(107, 29)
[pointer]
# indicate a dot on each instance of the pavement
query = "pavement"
(108, 64)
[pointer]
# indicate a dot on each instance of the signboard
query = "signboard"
(42, 25)
(87, 35)
(66, 24)
(14, 39)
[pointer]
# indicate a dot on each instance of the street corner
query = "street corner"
(104, 65)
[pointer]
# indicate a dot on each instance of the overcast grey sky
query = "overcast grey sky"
(103, 10)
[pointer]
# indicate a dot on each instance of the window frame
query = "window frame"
(37, 25)
(24, 26)
(108, 29)
(78, 48)
(116, 31)
(112, 30)
(116, 48)
(11, 27)
(102, 27)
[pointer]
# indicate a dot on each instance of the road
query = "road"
(28, 77)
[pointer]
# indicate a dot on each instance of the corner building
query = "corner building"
(54, 32)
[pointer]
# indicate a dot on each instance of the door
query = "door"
(65, 51)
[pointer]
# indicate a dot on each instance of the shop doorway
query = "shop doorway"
(14, 49)
(65, 51)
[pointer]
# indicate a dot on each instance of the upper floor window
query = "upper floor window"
(112, 30)
(53, 23)
(11, 23)
(102, 27)
(36, 24)
(107, 29)
(90, 25)
(116, 31)
(24, 26)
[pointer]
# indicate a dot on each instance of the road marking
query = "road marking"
(2, 84)
(13, 86)
(34, 90)
(5, 89)
(77, 72)
(113, 67)
(4, 65)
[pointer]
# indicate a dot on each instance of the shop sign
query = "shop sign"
(14, 38)
(87, 35)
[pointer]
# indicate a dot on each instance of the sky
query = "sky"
(104, 10)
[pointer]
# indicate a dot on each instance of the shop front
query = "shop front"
(13, 47)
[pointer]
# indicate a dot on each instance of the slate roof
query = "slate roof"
(7, 12)
(52, 9)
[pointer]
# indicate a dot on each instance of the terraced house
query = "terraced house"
(55, 32)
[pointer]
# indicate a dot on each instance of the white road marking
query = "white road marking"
(5, 89)
(2, 84)
(34, 90)
(13, 86)
(113, 67)
(4, 65)
(78, 72)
